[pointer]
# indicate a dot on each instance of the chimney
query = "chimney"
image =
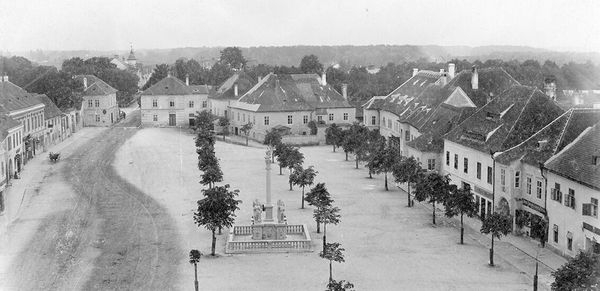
(324, 79)
(474, 78)
(235, 90)
(345, 91)
(5, 78)
(451, 71)
(550, 89)
(187, 80)
(415, 71)
(441, 71)
(84, 83)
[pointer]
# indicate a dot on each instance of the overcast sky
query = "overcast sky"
(114, 24)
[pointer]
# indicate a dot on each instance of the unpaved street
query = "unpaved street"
(113, 236)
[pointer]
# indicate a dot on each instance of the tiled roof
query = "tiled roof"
(575, 160)
(201, 89)
(6, 123)
(13, 97)
(95, 86)
(492, 82)
(50, 110)
(226, 90)
(168, 86)
(552, 138)
(293, 93)
(506, 120)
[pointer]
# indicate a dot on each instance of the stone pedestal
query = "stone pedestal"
(269, 231)
(268, 213)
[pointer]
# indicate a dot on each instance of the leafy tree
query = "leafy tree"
(216, 210)
(318, 197)
(333, 252)
(191, 69)
(497, 225)
(384, 160)
(194, 259)
(333, 136)
(224, 123)
(294, 159)
(246, 130)
(203, 139)
(160, 72)
(282, 151)
(327, 215)
(408, 171)
(341, 285)
(204, 120)
(211, 175)
(312, 125)
(302, 178)
(219, 73)
(460, 202)
(353, 138)
(580, 273)
(310, 64)
(272, 139)
(433, 187)
(232, 56)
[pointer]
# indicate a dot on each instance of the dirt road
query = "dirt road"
(114, 236)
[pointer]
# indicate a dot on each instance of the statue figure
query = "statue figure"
(257, 211)
(281, 212)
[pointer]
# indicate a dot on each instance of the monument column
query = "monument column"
(268, 204)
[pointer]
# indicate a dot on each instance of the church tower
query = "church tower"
(131, 60)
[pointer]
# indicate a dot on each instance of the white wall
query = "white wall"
(181, 108)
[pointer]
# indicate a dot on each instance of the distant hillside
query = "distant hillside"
(376, 55)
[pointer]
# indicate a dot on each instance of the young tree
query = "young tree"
(327, 215)
(302, 178)
(282, 151)
(194, 259)
(408, 171)
(383, 160)
(211, 175)
(318, 197)
(224, 123)
(333, 135)
(294, 159)
(460, 202)
(341, 285)
(272, 139)
(333, 252)
(433, 187)
(246, 130)
(580, 273)
(310, 64)
(312, 125)
(497, 225)
(216, 210)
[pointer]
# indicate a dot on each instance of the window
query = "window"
(330, 116)
(538, 189)
(155, 117)
(489, 175)
(305, 119)
(345, 115)
(320, 118)
(253, 119)
(383, 120)
(171, 103)
(407, 136)
(431, 164)
(529, 185)
(290, 119)
(447, 158)
(238, 116)
(266, 120)
(479, 170)
(503, 180)
(191, 104)
(389, 123)
(466, 165)
(97, 103)
(97, 118)
(244, 117)
(10, 143)
(517, 179)
(90, 103)
(204, 104)
(590, 209)
(27, 124)
(154, 103)
(569, 242)
(555, 194)
(455, 161)
(373, 120)
(570, 199)
(555, 228)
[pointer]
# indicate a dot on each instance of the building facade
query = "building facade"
(99, 106)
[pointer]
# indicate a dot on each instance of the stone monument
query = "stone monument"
(267, 228)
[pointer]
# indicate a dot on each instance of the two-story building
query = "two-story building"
(170, 102)
(525, 192)
(54, 122)
(573, 176)
(289, 103)
(99, 106)
(230, 91)
(504, 122)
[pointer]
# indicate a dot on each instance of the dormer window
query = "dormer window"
(596, 160)
(491, 115)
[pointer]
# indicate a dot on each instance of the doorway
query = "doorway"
(172, 120)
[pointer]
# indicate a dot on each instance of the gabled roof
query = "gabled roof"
(575, 160)
(292, 93)
(169, 86)
(95, 86)
(552, 138)
(506, 120)
(50, 110)
(226, 90)
(13, 97)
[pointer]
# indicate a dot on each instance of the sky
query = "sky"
(150, 24)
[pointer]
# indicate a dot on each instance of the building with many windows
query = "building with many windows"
(573, 176)
(288, 103)
(171, 102)
(99, 106)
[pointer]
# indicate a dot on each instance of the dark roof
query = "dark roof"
(13, 97)
(293, 93)
(506, 120)
(201, 89)
(492, 82)
(552, 138)
(95, 86)
(575, 160)
(168, 86)
(6, 123)
(226, 90)
(50, 110)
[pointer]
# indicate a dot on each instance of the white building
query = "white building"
(99, 106)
